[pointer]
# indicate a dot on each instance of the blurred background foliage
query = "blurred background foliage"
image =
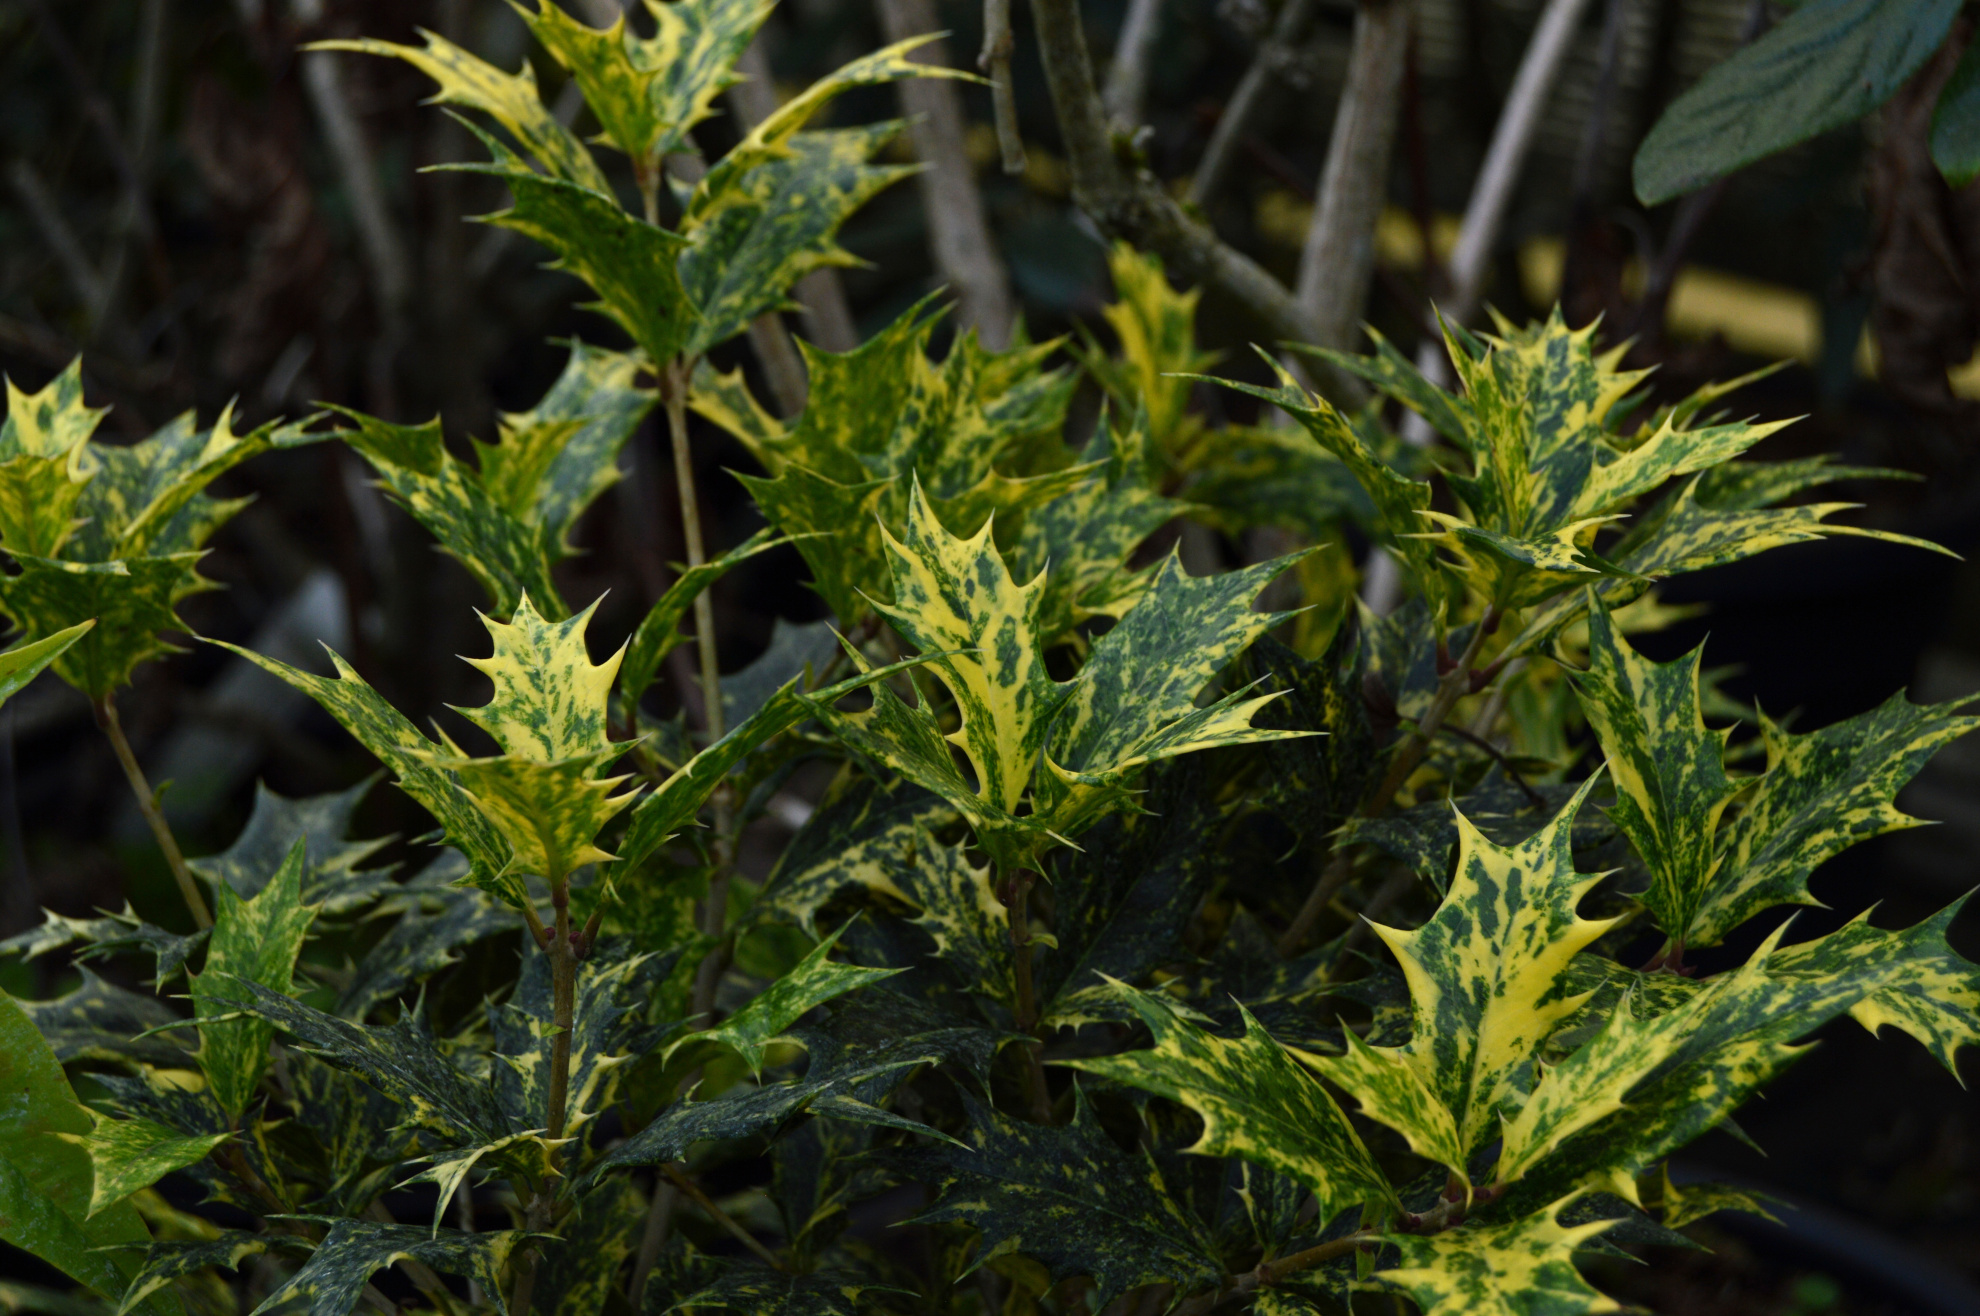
(210, 215)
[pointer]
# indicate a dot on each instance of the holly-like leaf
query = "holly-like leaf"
(20, 663)
(1822, 793)
(132, 602)
(578, 1270)
(835, 526)
(1156, 326)
(1134, 700)
(961, 913)
(1256, 1102)
(177, 1259)
(1518, 1268)
(1828, 63)
(758, 1292)
(254, 941)
(659, 633)
(510, 99)
(45, 1177)
(103, 1022)
(954, 594)
(332, 880)
(426, 939)
(1956, 123)
(45, 462)
(753, 247)
(1669, 771)
(127, 1155)
(814, 980)
(334, 1277)
(1066, 1196)
(1484, 991)
(648, 91)
(859, 836)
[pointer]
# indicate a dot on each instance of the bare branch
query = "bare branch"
(959, 235)
(1338, 261)
(1130, 204)
(995, 63)
(1126, 91)
(1273, 54)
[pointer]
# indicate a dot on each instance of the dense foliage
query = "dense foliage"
(1146, 951)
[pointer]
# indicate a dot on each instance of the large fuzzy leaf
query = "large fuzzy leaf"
(1256, 1103)
(1827, 64)
(45, 1177)
(255, 941)
(1669, 771)
(1518, 1268)
(1067, 1196)
(1823, 792)
(1484, 983)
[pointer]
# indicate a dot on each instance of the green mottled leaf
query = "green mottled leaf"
(1256, 1103)
(761, 1292)
(44, 462)
(21, 662)
(859, 836)
(1696, 1201)
(609, 1006)
(510, 99)
(171, 1260)
(1822, 793)
(332, 880)
(101, 1021)
(781, 226)
(132, 602)
(813, 981)
(836, 529)
(425, 940)
(1156, 327)
(131, 1154)
(1827, 64)
(1066, 1196)
(1518, 1268)
(1956, 123)
(796, 650)
(1484, 991)
(1252, 476)
(962, 915)
(45, 1178)
(253, 941)
(331, 1281)
(659, 631)
(579, 1269)
(1669, 771)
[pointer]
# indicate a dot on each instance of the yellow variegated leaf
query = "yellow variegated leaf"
(1669, 771)
(1156, 326)
(1256, 1103)
(960, 911)
(1485, 984)
(952, 593)
(549, 700)
(1394, 1091)
(256, 941)
(510, 99)
(1520, 1268)
(44, 462)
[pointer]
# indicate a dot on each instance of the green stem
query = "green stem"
(1456, 683)
(1271, 1272)
(678, 1176)
(1018, 911)
(106, 717)
(557, 944)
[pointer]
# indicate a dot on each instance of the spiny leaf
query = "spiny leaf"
(131, 1154)
(422, 943)
(784, 224)
(549, 699)
(835, 527)
(103, 1022)
(255, 941)
(333, 1279)
(45, 462)
(132, 602)
(610, 1005)
(170, 1260)
(1519, 1268)
(1822, 793)
(45, 1178)
(1484, 991)
(1256, 1103)
(961, 913)
(958, 594)
(814, 980)
(648, 91)
(332, 880)
(578, 1270)
(760, 1292)
(1067, 1196)
(860, 836)
(1669, 771)
(510, 99)
(1156, 326)
(24, 660)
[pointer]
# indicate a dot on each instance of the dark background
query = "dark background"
(182, 167)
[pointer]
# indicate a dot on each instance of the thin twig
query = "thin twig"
(1485, 214)
(147, 799)
(1338, 260)
(89, 287)
(994, 61)
(677, 1175)
(1273, 53)
(959, 237)
(1267, 1273)
(1126, 91)
(1132, 204)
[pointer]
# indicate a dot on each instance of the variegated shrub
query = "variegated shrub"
(1148, 951)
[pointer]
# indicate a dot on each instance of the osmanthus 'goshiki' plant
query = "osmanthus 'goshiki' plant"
(1147, 951)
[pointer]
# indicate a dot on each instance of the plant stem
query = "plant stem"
(1018, 908)
(563, 976)
(1271, 1272)
(106, 717)
(995, 62)
(1456, 683)
(678, 1176)
(1274, 53)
